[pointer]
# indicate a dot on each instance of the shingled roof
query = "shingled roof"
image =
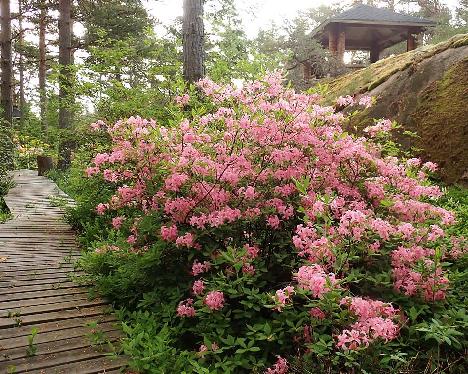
(369, 13)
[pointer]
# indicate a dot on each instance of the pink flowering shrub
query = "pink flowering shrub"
(278, 217)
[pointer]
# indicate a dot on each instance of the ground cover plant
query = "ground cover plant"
(251, 233)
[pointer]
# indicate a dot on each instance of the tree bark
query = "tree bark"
(6, 61)
(6, 153)
(65, 83)
(42, 65)
(22, 100)
(193, 41)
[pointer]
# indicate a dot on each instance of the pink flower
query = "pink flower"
(435, 233)
(252, 251)
(280, 367)
(185, 308)
(182, 100)
(131, 239)
(117, 222)
(92, 170)
(199, 268)
(314, 279)
(282, 297)
(248, 269)
(175, 181)
(249, 193)
(214, 300)
(382, 126)
(169, 234)
(352, 339)
(186, 240)
(198, 287)
(430, 166)
(317, 313)
(345, 100)
(273, 221)
(101, 208)
(365, 101)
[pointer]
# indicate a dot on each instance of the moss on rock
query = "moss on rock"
(441, 119)
(425, 91)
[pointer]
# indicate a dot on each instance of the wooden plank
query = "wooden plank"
(46, 361)
(98, 365)
(42, 301)
(65, 324)
(46, 308)
(54, 292)
(38, 289)
(57, 335)
(50, 316)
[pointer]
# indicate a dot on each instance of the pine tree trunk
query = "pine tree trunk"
(6, 61)
(42, 65)
(22, 101)
(65, 83)
(193, 40)
(6, 156)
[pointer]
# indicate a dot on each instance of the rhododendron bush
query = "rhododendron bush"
(295, 238)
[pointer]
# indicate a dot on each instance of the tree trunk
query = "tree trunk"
(22, 100)
(65, 83)
(193, 40)
(42, 65)
(6, 61)
(6, 156)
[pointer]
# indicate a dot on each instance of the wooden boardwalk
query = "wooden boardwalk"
(37, 249)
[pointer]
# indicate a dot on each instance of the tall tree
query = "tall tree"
(42, 64)
(65, 82)
(22, 100)
(193, 40)
(6, 103)
(6, 61)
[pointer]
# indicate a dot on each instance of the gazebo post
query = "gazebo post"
(411, 42)
(341, 45)
(332, 40)
(374, 53)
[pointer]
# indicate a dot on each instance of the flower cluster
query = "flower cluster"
(314, 279)
(280, 367)
(416, 272)
(375, 319)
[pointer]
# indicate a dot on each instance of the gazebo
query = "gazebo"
(368, 28)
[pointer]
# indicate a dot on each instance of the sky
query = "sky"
(256, 14)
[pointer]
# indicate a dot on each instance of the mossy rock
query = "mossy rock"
(425, 91)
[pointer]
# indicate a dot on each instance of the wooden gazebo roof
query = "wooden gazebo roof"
(368, 26)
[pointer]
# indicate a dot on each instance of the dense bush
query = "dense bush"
(253, 232)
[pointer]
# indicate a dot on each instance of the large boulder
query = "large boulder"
(426, 91)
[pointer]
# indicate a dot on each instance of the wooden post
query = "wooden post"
(374, 53)
(341, 44)
(332, 40)
(411, 42)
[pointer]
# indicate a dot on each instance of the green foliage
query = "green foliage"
(148, 287)
(32, 347)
